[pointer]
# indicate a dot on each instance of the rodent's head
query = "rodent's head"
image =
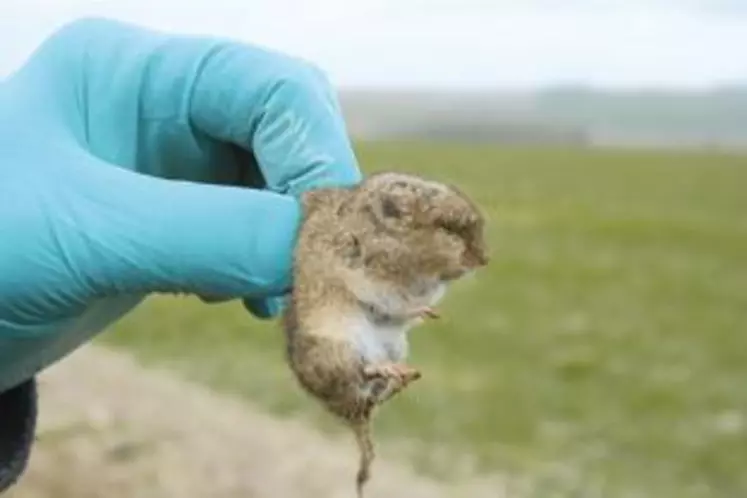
(402, 228)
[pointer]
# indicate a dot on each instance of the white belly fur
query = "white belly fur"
(377, 343)
(387, 343)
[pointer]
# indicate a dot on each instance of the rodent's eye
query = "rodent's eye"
(464, 227)
(355, 247)
(451, 226)
(351, 247)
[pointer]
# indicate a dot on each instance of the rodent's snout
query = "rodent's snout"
(479, 258)
(478, 253)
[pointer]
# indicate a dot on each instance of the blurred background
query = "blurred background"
(581, 72)
(603, 353)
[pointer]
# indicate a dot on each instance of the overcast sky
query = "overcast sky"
(444, 43)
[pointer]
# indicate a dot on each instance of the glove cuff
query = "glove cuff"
(18, 414)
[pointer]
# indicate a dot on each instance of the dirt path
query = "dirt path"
(111, 429)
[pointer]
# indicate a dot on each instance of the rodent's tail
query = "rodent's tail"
(363, 436)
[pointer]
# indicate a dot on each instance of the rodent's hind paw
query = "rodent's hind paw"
(398, 371)
(395, 377)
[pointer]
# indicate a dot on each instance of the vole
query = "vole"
(370, 262)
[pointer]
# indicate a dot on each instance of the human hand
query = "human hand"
(126, 157)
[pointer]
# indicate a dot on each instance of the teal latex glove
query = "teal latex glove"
(125, 157)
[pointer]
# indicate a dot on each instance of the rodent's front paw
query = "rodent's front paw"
(428, 312)
(424, 313)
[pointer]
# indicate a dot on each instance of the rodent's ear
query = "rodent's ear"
(389, 208)
(380, 209)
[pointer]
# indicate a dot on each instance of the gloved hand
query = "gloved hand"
(125, 157)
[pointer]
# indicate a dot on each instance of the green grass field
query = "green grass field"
(603, 353)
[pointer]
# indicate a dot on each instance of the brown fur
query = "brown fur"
(391, 239)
